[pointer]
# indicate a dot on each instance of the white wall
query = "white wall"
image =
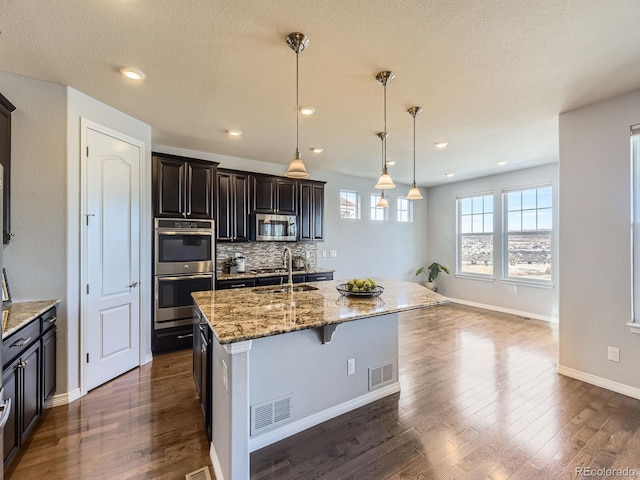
(595, 241)
(80, 106)
(35, 259)
(364, 248)
(524, 300)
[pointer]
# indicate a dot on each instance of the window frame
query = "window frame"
(358, 206)
(506, 278)
(459, 234)
(400, 201)
(634, 324)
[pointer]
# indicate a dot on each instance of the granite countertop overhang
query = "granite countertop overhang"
(251, 274)
(241, 314)
(16, 315)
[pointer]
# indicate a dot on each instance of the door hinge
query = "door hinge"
(87, 289)
(87, 358)
(87, 150)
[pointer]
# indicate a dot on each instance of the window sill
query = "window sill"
(471, 276)
(634, 327)
(527, 283)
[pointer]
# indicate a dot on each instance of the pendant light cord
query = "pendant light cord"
(297, 108)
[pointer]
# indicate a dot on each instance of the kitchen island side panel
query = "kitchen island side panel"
(315, 374)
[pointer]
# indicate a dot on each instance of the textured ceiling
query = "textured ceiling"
(492, 76)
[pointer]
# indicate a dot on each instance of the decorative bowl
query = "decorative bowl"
(344, 291)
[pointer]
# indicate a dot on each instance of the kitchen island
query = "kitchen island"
(283, 361)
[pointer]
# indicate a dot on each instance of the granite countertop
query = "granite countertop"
(251, 274)
(241, 314)
(16, 315)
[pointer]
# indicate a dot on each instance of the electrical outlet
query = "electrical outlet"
(333, 253)
(351, 366)
(225, 376)
(613, 354)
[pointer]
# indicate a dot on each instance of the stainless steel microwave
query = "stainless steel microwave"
(266, 227)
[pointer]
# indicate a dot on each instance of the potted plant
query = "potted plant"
(432, 273)
(232, 264)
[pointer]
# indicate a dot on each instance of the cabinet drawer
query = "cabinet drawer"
(19, 341)
(48, 320)
(319, 277)
(240, 283)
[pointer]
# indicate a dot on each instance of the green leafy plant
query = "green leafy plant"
(433, 271)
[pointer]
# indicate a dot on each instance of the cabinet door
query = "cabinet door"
(224, 211)
(204, 388)
(11, 429)
(318, 212)
(169, 183)
(263, 194)
(238, 283)
(199, 190)
(285, 196)
(5, 160)
(305, 218)
(30, 391)
(197, 360)
(241, 207)
(48, 365)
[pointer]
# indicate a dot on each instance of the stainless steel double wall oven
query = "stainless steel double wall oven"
(184, 262)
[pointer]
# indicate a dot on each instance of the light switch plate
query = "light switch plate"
(333, 253)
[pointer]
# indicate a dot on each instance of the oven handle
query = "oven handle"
(184, 232)
(182, 277)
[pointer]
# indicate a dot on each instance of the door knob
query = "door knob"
(134, 284)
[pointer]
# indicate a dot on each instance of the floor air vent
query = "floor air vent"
(202, 474)
(268, 415)
(380, 375)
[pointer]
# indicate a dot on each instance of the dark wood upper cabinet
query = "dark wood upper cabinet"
(311, 210)
(273, 195)
(6, 107)
(183, 187)
(232, 215)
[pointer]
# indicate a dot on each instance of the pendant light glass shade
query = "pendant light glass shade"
(297, 41)
(385, 182)
(414, 193)
(382, 202)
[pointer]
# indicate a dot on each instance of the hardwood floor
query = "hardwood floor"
(480, 399)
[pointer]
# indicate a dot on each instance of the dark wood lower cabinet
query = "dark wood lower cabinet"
(169, 339)
(29, 378)
(202, 338)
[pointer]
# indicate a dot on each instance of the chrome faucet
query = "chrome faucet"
(288, 266)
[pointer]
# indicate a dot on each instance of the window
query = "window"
(475, 234)
(528, 227)
(377, 213)
(349, 204)
(405, 210)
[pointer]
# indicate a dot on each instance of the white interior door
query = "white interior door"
(111, 320)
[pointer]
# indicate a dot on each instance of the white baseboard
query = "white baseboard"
(217, 469)
(627, 390)
(519, 313)
(285, 431)
(147, 358)
(66, 398)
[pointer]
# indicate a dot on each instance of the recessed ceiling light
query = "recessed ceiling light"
(502, 162)
(441, 145)
(307, 110)
(317, 149)
(132, 73)
(449, 175)
(234, 133)
(391, 162)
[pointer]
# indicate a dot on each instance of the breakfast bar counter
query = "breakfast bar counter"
(280, 360)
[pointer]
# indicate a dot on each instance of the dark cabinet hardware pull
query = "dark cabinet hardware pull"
(238, 285)
(24, 342)
(185, 336)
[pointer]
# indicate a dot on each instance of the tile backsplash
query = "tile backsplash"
(265, 254)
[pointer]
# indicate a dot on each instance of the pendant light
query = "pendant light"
(383, 201)
(298, 42)
(385, 182)
(414, 193)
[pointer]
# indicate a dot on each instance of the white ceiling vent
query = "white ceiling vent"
(268, 415)
(380, 375)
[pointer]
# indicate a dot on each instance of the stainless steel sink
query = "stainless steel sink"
(283, 289)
